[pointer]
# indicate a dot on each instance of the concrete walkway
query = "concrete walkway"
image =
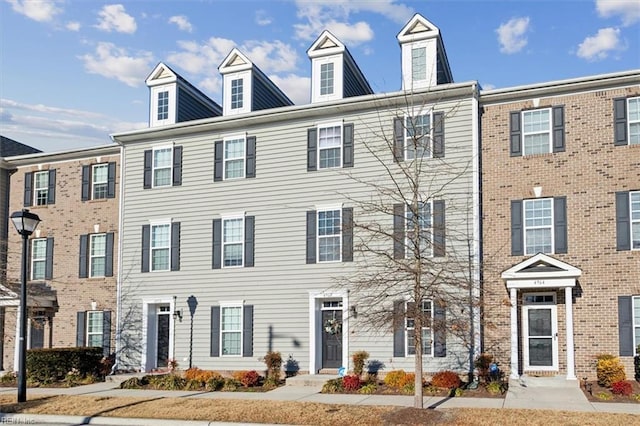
(550, 394)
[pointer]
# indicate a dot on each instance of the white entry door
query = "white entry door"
(540, 332)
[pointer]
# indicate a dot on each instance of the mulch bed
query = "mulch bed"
(596, 393)
(480, 392)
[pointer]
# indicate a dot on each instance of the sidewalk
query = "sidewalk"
(558, 395)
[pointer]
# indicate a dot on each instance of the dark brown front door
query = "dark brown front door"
(332, 339)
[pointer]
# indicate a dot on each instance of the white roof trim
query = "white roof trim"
(325, 45)
(418, 28)
(517, 272)
(161, 74)
(235, 61)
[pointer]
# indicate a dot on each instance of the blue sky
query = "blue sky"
(72, 72)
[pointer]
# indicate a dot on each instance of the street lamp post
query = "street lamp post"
(25, 223)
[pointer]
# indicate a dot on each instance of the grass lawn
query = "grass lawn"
(300, 413)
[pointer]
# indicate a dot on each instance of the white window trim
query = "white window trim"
(338, 84)
(636, 324)
(407, 328)
(241, 93)
(153, 166)
(325, 125)
(94, 183)
(631, 220)
(34, 259)
(525, 227)
(431, 64)
(629, 122)
(408, 139)
(89, 333)
(336, 207)
(406, 230)
(91, 256)
(151, 248)
(232, 304)
(549, 131)
(232, 216)
(244, 156)
(36, 188)
(171, 117)
(245, 76)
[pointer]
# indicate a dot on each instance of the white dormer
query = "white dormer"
(236, 82)
(162, 84)
(327, 73)
(424, 61)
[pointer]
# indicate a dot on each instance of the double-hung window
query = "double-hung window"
(326, 79)
(99, 181)
(538, 226)
(417, 137)
(162, 166)
(636, 323)
(330, 146)
(160, 247)
(427, 319)
(233, 241)
(95, 328)
(163, 105)
(419, 63)
(41, 188)
(634, 198)
(234, 157)
(237, 93)
(419, 245)
(536, 131)
(634, 120)
(329, 235)
(97, 255)
(231, 330)
(38, 258)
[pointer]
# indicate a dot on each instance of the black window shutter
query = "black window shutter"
(249, 240)
(28, 189)
(398, 139)
(108, 258)
(177, 166)
(311, 236)
(148, 168)
(398, 231)
(251, 157)
(81, 327)
(347, 234)
(439, 229)
(106, 333)
(215, 331)
(48, 269)
(84, 256)
(625, 325)
(247, 331)
(398, 328)
(515, 144)
(438, 134)
(347, 145)
(620, 121)
(218, 158)
(560, 224)
(111, 180)
(439, 331)
(51, 193)
(146, 247)
(312, 149)
(175, 246)
(217, 244)
(558, 129)
(623, 221)
(85, 193)
(517, 229)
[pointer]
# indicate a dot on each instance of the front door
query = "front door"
(331, 335)
(162, 336)
(540, 331)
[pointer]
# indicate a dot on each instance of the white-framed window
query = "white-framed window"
(162, 166)
(97, 255)
(237, 93)
(633, 116)
(634, 202)
(538, 225)
(423, 222)
(95, 321)
(427, 320)
(99, 181)
(330, 146)
(536, 131)
(417, 136)
(163, 105)
(635, 306)
(232, 241)
(329, 235)
(234, 157)
(38, 258)
(326, 79)
(231, 330)
(419, 63)
(161, 247)
(40, 188)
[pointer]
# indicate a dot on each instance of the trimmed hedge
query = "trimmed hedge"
(52, 364)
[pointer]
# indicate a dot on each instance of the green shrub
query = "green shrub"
(193, 385)
(458, 392)
(134, 383)
(333, 386)
(605, 396)
(167, 382)
(494, 388)
(8, 379)
(359, 358)
(214, 383)
(53, 364)
(231, 385)
(609, 370)
(273, 360)
(396, 379)
(446, 379)
(409, 387)
(368, 388)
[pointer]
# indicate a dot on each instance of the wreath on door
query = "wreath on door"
(333, 326)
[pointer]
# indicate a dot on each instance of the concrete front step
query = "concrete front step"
(548, 382)
(310, 380)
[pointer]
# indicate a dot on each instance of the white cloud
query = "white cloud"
(599, 46)
(512, 35)
(113, 17)
(73, 26)
(38, 10)
(629, 10)
(182, 22)
(113, 62)
(273, 56)
(297, 88)
(262, 18)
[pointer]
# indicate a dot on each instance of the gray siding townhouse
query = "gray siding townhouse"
(239, 232)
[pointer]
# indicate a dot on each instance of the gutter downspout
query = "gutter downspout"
(117, 362)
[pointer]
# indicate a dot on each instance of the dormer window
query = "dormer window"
(326, 79)
(163, 105)
(419, 63)
(237, 94)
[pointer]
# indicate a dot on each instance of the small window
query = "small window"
(237, 94)
(538, 226)
(95, 321)
(163, 105)
(417, 137)
(38, 258)
(634, 120)
(326, 79)
(231, 330)
(635, 219)
(419, 63)
(97, 255)
(162, 166)
(99, 181)
(330, 146)
(427, 317)
(234, 158)
(329, 236)
(422, 221)
(536, 131)
(233, 242)
(636, 324)
(160, 247)
(41, 188)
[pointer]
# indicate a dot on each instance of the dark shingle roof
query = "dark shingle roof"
(9, 148)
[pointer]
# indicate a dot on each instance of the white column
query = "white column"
(514, 333)
(568, 303)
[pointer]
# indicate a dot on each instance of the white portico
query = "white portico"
(537, 281)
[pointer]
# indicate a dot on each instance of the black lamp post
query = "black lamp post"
(25, 222)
